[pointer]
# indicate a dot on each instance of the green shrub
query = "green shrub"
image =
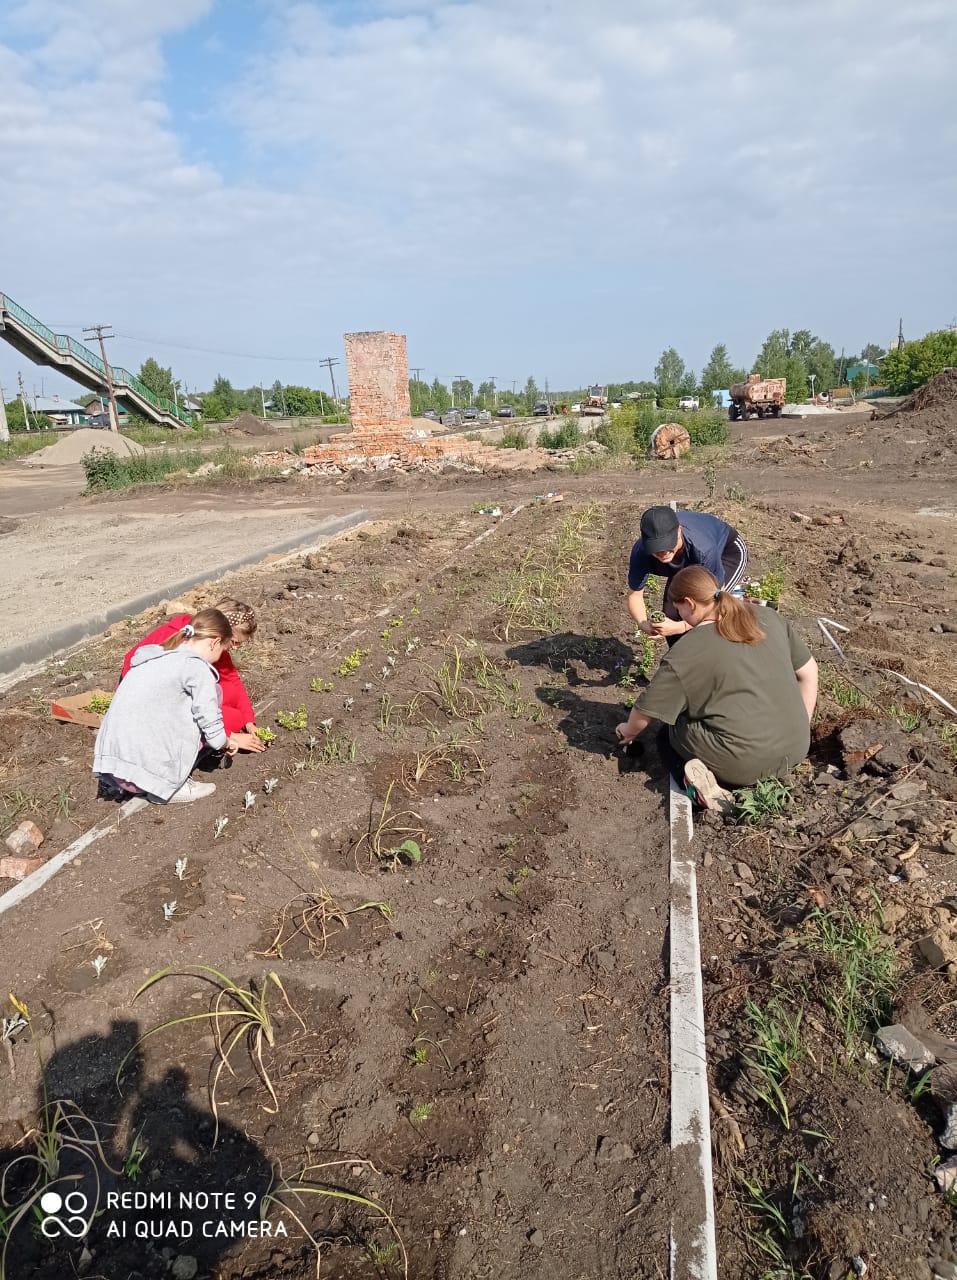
(567, 435)
(514, 438)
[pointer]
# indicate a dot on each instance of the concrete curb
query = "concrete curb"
(693, 1249)
(13, 897)
(16, 662)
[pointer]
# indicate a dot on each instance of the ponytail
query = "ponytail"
(208, 624)
(733, 619)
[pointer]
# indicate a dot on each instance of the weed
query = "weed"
(298, 719)
(566, 436)
(383, 1255)
(860, 982)
(776, 1048)
(332, 749)
(350, 665)
(514, 438)
(758, 805)
(64, 802)
(238, 1013)
(453, 695)
(947, 734)
(907, 718)
(421, 1111)
(770, 1233)
(419, 1053)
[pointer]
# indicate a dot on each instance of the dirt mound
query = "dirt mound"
(247, 424)
(77, 443)
(939, 393)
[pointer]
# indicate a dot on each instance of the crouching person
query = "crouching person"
(736, 696)
(162, 713)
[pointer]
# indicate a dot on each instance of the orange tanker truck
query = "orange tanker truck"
(757, 398)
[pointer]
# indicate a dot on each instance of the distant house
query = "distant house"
(63, 413)
(872, 371)
(191, 404)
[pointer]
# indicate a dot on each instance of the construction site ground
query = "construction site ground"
(486, 1056)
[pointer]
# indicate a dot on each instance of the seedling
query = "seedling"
(350, 665)
(219, 827)
(99, 964)
(325, 726)
(298, 719)
(265, 735)
(520, 881)
(99, 703)
(758, 805)
(421, 1111)
(238, 1013)
(319, 685)
(382, 838)
(311, 914)
(248, 801)
(771, 586)
(419, 1053)
(657, 616)
(133, 1166)
(180, 868)
(347, 704)
(270, 785)
(169, 910)
(777, 1048)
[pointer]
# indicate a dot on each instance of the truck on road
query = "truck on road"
(757, 398)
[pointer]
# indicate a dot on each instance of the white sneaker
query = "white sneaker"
(191, 791)
(708, 790)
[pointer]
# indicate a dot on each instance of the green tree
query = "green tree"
(301, 402)
(772, 359)
(485, 396)
(15, 419)
(905, 369)
(873, 353)
(159, 380)
(419, 397)
(802, 340)
(796, 374)
(669, 373)
(526, 399)
(718, 374)
(464, 392)
(440, 400)
(822, 362)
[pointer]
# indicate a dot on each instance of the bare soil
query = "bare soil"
(487, 1059)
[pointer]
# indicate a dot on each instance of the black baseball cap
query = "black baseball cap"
(659, 530)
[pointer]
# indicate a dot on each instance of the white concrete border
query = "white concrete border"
(13, 897)
(693, 1248)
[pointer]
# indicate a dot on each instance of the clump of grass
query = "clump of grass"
(514, 438)
(770, 1230)
(859, 979)
(777, 1047)
(238, 1014)
(759, 805)
(567, 435)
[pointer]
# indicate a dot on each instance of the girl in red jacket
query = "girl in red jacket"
(239, 719)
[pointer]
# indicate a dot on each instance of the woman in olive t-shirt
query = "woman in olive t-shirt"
(739, 691)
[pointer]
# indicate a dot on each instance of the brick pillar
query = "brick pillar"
(378, 372)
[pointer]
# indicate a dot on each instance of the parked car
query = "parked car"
(431, 414)
(484, 416)
(99, 420)
(451, 418)
(505, 411)
(470, 414)
(688, 402)
(542, 409)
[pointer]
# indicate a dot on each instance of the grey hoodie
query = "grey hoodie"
(167, 702)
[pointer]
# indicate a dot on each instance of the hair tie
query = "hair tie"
(188, 631)
(717, 594)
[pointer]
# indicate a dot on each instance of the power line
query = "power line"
(210, 351)
(329, 361)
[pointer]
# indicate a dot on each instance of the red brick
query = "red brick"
(18, 868)
(24, 839)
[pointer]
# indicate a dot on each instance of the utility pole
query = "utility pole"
(23, 401)
(96, 330)
(4, 428)
(514, 385)
(900, 334)
(415, 373)
(329, 361)
(263, 395)
(459, 378)
(494, 397)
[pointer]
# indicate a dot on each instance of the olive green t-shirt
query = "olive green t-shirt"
(735, 706)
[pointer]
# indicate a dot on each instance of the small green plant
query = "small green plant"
(645, 657)
(264, 734)
(99, 703)
(318, 685)
(298, 719)
(133, 1165)
(350, 665)
(907, 717)
(514, 438)
(384, 1255)
(418, 1055)
(520, 882)
(238, 1014)
(421, 1111)
(656, 616)
(859, 978)
(947, 734)
(383, 839)
(771, 586)
(776, 1048)
(770, 1231)
(758, 805)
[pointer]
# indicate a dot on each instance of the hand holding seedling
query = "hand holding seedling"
(662, 626)
(245, 742)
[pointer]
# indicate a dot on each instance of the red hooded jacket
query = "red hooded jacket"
(237, 709)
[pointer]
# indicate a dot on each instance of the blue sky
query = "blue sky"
(520, 186)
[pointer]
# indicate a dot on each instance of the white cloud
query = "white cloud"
(389, 153)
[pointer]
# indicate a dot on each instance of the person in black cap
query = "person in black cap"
(673, 540)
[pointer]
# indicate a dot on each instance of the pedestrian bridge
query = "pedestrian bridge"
(41, 345)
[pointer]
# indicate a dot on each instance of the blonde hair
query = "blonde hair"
(734, 620)
(239, 615)
(208, 624)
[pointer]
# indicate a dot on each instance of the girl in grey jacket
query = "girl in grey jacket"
(163, 710)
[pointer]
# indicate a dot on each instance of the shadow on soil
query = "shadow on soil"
(100, 1132)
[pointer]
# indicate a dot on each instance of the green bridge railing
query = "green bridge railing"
(66, 346)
